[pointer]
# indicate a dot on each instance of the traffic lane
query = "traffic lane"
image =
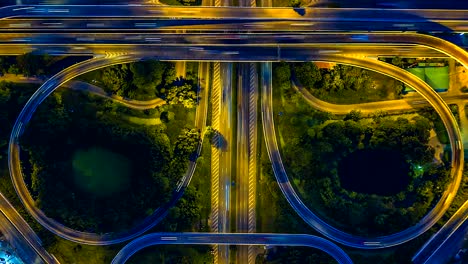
(231, 239)
(355, 241)
(252, 25)
(343, 14)
(450, 247)
(16, 174)
(446, 238)
(24, 251)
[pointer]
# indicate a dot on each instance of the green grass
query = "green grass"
(71, 253)
(281, 3)
(171, 2)
(100, 171)
(142, 121)
(183, 117)
(202, 182)
(168, 254)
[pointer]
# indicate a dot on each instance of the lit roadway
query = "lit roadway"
(15, 169)
(243, 156)
(231, 239)
(390, 106)
(286, 53)
(19, 234)
(144, 18)
(225, 156)
(245, 177)
(344, 238)
(130, 103)
(235, 47)
(446, 241)
(272, 50)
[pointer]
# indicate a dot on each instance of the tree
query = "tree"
(282, 75)
(184, 94)
(13, 69)
(210, 132)
(354, 115)
(295, 3)
(308, 74)
(187, 142)
(147, 75)
(397, 61)
(116, 79)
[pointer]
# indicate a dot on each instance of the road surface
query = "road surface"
(231, 239)
(143, 18)
(16, 173)
(308, 216)
(446, 241)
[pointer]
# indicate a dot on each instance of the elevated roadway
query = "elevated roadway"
(20, 235)
(289, 53)
(16, 173)
(222, 46)
(365, 19)
(231, 239)
(339, 236)
(273, 51)
(446, 241)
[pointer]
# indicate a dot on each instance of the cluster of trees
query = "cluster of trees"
(317, 142)
(333, 141)
(342, 83)
(182, 2)
(157, 162)
(149, 79)
(12, 98)
(341, 77)
(411, 62)
(27, 64)
(182, 94)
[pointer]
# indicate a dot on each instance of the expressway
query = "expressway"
(85, 237)
(226, 126)
(144, 18)
(243, 157)
(308, 216)
(446, 241)
(231, 239)
(245, 176)
(234, 47)
(16, 173)
(272, 50)
(20, 235)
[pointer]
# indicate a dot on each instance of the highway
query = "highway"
(16, 174)
(226, 121)
(308, 216)
(163, 17)
(22, 238)
(272, 49)
(440, 45)
(246, 87)
(231, 239)
(243, 156)
(446, 241)
(222, 46)
(227, 126)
